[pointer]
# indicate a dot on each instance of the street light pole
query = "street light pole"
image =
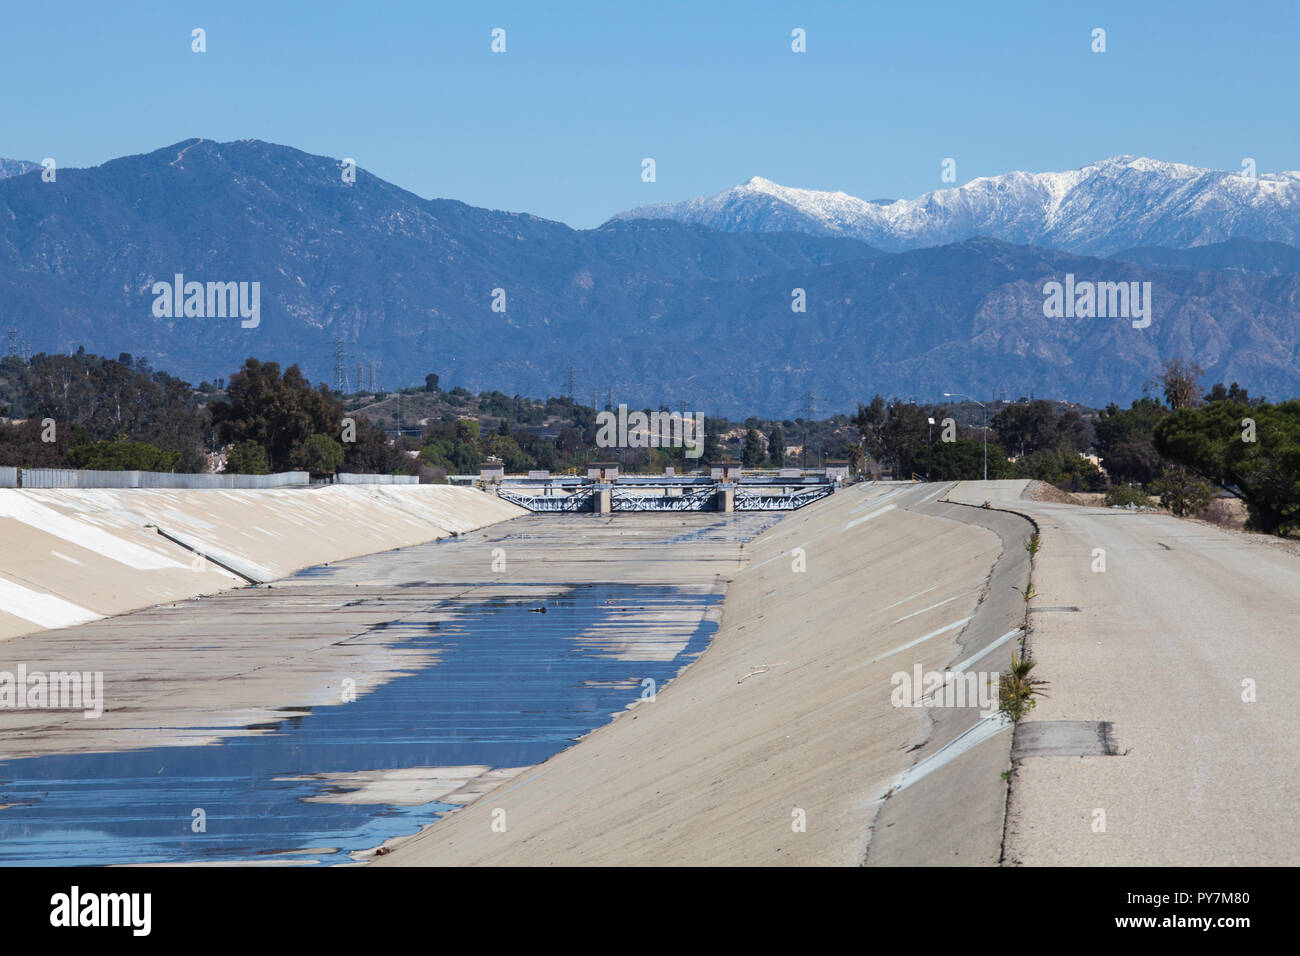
(929, 455)
(986, 427)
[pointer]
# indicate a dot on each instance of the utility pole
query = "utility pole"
(809, 410)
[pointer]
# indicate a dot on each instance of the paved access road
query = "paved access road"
(1166, 643)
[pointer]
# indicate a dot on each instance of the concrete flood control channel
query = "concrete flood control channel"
(460, 681)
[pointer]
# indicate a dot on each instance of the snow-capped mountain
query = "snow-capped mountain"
(1104, 207)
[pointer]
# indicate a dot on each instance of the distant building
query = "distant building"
(837, 470)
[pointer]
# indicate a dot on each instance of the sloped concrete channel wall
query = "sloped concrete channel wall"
(68, 556)
(781, 744)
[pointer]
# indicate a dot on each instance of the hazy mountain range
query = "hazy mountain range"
(657, 310)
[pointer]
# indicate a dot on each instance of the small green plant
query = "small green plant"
(1017, 691)
(1027, 592)
(986, 505)
(1033, 544)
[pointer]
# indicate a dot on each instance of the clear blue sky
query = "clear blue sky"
(558, 125)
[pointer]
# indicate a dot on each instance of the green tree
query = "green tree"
(1182, 493)
(279, 412)
(1125, 440)
(1034, 426)
(1063, 467)
(318, 454)
(713, 428)
(247, 458)
(753, 454)
(776, 447)
(371, 453)
(1215, 442)
(122, 456)
(960, 460)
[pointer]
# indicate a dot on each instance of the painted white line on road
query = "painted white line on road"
(874, 514)
(992, 647)
(919, 640)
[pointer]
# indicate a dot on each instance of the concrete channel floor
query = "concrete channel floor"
(228, 664)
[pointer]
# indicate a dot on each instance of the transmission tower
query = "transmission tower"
(13, 340)
(340, 376)
(571, 382)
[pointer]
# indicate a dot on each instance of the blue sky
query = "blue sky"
(559, 123)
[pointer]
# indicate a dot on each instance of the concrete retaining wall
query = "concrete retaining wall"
(68, 556)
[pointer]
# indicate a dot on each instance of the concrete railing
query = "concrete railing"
(82, 478)
(349, 479)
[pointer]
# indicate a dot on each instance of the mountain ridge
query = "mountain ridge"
(1098, 209)
(659, 311)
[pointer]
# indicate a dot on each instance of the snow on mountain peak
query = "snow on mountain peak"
(1112, 204)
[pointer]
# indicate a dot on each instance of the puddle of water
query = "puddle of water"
(510, 689)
